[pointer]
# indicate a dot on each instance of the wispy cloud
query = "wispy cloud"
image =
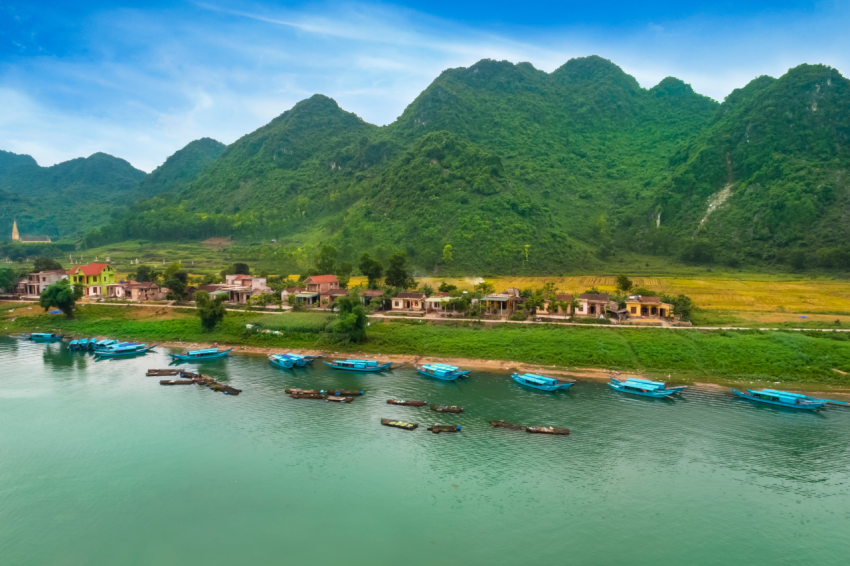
(140, 84)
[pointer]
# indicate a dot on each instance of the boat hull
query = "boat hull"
(285, 364)
(804, 406)
(216, 356)
(45, 339)
(559, 387)
(648, 393)
(450, 377)
(124, 354)
(367, 369)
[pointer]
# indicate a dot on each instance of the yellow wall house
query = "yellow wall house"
(94, 276)
(648, 307)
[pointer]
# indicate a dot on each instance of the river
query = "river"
(99, 464)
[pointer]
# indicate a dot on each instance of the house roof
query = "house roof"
(241, 277)
(372, 293)
(336, 292)
(441, 294)
(563, 297)
(210, 288)
(641, 299)
(410, 296)
(322, 279)
(49, 271)
(144, 285)
(35, 239)
(594, 297)
(295, 289)
(90, 269)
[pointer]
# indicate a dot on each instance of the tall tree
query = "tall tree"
(326, 260)
(177, 283)
(343, 273)
(7, 279)
(624, 284)
(352, 319)
(397, 274)
(210, 311)
(447, 254)
(372, 269)
(145, 274)
(62, 296)
(45, 264)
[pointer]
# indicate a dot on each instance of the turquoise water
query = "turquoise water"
(102, 465)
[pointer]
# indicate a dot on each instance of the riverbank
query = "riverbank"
(729, 357)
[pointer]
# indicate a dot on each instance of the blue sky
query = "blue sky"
(140, 80)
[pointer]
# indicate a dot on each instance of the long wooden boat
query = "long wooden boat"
(123, 351)
(43, 337)
(438, 428)
(399, 424)
(403, 403)
(531, 429)
(542, 382)
(780, 399)
(446, 409)
(102, 344)
(808, 398)
(456, 369)
(339, 399)
(280, 361)
(443, 373)
(359, 365)
(645, 387)
(198, 355)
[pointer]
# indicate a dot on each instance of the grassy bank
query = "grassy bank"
(782, 356)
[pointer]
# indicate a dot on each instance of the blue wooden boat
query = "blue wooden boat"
(82, 343)
(781, 399)
(200, 355)
(431, 370)
(645, 387)
(280, 360)
(359, 365)
(73, 344)
(542, 382)
(43, 337)
(103, 344)
(807, 398)
(120, 350)
(459, 371)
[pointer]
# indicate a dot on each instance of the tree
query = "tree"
(292, 301)
(447, 254)
(484, 288)
(372, 269)
(145, 274)
(177, 283)
(797, 259)
(7, 279)
(351, 320)
(210, 311)
(263, 300)
(624, 284)
(397, 274)
(240, 269)
(682, 305)
(573, 305)
(534, 302)
(45, 264)
(446, 288)
(62, 296)
(427, 289)
(343, 273)
(326, 260)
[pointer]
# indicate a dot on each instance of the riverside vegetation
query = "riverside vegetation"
(518, 170)
(800, 357)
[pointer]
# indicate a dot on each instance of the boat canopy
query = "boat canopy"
(660, 384)
(539, 379)
(784, 393)
(644, 384)
(205, 351)
(367, 362)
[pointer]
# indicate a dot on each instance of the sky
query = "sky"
(140, 80)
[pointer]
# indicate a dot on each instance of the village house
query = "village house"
(501, 304)
(648, 307)
(409, 301)
(135, 291)
(94, 277)
(240, 288)
(317, 285)
(592, 304)
(369, 295)
(284, 295)
(332, 295)
(38, 282)
(560, 309)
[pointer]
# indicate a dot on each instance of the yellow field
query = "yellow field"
(778, 297)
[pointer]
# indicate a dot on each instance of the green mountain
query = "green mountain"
(523, 171)
(180, 168)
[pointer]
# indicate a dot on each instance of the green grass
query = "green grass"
(705, 355)
(296, 322)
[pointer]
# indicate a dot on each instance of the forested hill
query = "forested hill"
(525, 171)
(181, 168)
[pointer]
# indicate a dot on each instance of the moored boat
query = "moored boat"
(104, 344)
(404, 403)
(359, 365)
(43, 337)
(645, 387)
(781, 399)
(399, 424)
(531, 429)
(808, 398)
(444, 373)
(281, 361)
(446, 409)
(205, 354)
(73, 344)
(542, 382)
(462, 372)
(120, 350)
(438, 428)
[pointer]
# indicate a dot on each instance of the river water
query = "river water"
(102, 465)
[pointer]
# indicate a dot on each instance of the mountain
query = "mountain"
(523, 171)
(181, 168)
(64, 198)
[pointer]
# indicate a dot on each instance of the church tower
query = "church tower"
(15, 236)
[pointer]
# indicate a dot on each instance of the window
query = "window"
(634, 310)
